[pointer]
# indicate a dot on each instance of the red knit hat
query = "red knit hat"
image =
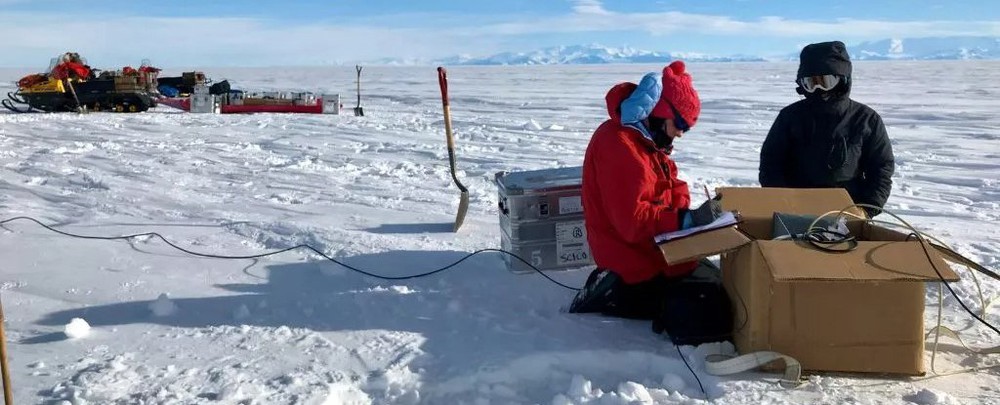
(679, 92)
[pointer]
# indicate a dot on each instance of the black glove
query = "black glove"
(872, 212)
(707, 212)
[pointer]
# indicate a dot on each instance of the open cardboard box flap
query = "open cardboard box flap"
(762, 203)
(702, 245)
(870, 261)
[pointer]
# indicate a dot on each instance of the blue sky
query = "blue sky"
(310, 32)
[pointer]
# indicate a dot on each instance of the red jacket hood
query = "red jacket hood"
(615, 96)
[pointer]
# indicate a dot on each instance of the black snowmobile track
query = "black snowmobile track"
(60, 102)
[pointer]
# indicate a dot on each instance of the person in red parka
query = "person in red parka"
(631, 193)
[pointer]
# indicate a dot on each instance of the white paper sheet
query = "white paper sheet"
(727, 219)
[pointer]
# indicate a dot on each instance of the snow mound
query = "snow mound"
(532, 125)
(589, 377)
(163, 306)
(929, 396)
(77, 328)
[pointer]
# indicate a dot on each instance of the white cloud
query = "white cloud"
(589, 7)
(590, 16)
(117, 39)
(214, 41)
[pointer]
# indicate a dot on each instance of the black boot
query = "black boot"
(596, 295)
(605, 292)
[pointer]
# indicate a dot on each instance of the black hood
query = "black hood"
(824, 58)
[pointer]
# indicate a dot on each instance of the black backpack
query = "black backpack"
(219, 88)
(696, 309)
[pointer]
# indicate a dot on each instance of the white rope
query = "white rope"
(720, 365)
(948, 332)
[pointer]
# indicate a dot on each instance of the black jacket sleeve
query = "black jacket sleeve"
(878, 165)
(774, 154)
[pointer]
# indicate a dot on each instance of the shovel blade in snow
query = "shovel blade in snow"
(463, 208)
(359, 112)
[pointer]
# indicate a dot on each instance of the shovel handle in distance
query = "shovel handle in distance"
(358, 68)
(443, 81)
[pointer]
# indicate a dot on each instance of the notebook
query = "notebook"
(726, 219)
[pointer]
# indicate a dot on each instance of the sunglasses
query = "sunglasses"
(679, 121)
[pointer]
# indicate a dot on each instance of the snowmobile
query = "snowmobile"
(72, 85)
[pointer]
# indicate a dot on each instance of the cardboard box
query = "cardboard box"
(859, 311)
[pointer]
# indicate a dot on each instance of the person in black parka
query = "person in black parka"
(828, 140)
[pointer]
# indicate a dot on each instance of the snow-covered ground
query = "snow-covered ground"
(375, 192)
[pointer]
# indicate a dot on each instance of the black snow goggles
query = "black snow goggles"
(821, 82)
(679, 121)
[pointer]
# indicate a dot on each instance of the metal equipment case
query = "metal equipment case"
(541, 219)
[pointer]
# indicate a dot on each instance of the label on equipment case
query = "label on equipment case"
(570, 205)
(571, 243)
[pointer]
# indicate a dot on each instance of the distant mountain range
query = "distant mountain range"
(936, 48)
(592, 54)
(945, 48)
(575, 55)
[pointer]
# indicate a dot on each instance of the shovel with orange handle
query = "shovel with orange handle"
(463, 204)
(8, 396)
